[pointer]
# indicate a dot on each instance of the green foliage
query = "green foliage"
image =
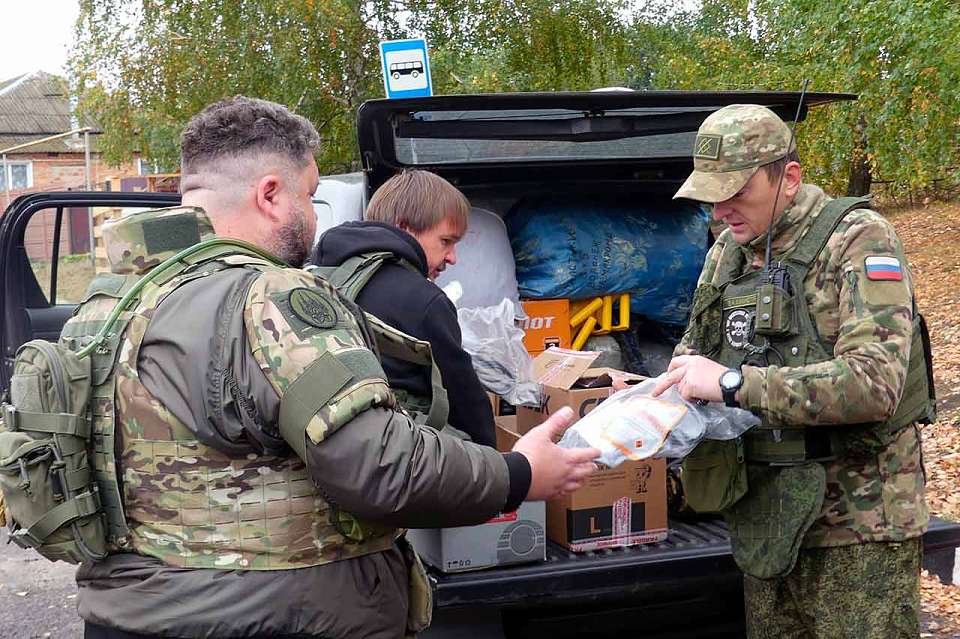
(143, 67)
(900, 56)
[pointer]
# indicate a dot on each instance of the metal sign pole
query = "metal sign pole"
(86, 172)
(6, 181)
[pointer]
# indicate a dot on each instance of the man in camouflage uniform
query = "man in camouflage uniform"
(264, 465)
(853, 569)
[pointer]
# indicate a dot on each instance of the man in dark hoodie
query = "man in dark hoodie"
(418, 217)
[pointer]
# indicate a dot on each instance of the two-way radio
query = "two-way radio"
(773, 316)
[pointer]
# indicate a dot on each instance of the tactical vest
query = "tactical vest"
(768, 483)
(349, 278)
(178, 499)
(745, 320)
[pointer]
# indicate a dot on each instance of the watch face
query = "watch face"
(730, 379)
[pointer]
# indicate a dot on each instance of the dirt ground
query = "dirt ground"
(931, 237)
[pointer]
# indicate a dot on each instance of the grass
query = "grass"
(74, 273)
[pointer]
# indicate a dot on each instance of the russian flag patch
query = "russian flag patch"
(883, 268)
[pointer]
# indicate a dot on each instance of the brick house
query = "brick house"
(34, 106)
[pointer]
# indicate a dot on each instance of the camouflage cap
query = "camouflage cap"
(732, 143)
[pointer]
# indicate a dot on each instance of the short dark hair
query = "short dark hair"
(419, 200)
(241, 126)
(775, 169)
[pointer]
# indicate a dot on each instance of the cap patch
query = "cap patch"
(707, 146)
(883, 268)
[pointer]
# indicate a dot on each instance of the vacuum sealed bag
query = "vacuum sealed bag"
(632, 425)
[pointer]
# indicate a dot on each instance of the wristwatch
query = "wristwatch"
(730, 383)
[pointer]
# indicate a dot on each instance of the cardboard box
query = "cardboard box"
(547, 324)
(621, 506)
(509, 538)
(568, 380)
(499, 405)
(506, 432)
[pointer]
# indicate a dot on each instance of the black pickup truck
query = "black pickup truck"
(497, 149)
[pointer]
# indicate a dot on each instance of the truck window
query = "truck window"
(667, 137)
(57, 243)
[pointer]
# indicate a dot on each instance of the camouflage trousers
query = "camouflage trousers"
(866, 591)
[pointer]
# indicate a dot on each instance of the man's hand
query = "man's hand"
(553, 470)
(695, 377)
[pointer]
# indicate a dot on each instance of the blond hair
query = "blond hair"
(418, 200)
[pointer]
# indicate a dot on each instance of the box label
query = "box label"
(622, 516)
(502, 517)
(547, 324)
(607, 521)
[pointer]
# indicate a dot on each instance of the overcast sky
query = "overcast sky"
(35, 34)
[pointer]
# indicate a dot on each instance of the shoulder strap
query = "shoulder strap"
(810, 245)
(355, 272)
(350, 277)
(730, 263)
(395, 343)
(169, 268)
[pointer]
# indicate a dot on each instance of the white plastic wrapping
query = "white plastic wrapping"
(485, 267)
(632, 425)
(496, 346)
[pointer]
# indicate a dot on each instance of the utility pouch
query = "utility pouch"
(767, 526)
(353, 528)
(420, 608)
(714, 475)
(773, 311)
(52, 501)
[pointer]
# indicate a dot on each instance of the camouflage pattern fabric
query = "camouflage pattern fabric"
(133, 248)
(187, 503)
(768, 523)
(863, 591)
(287, 341)
(871, 495)
(731, 144)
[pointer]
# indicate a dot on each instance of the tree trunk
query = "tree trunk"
(860, 179)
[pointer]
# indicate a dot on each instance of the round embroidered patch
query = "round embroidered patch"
(313, 308)
(737, 328)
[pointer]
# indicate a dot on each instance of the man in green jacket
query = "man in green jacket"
(265, 467)
(824, 344)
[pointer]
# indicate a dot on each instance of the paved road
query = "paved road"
(38, 598)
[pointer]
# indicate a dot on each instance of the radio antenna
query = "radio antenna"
(783, 172)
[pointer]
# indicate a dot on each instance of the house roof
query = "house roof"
(34, 106)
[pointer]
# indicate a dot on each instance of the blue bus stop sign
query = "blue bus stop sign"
(406, 68)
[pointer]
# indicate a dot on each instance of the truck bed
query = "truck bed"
(685, 586)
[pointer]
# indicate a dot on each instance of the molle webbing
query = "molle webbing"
(191, 505)
(786, 445)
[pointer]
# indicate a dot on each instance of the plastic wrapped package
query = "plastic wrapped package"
(586, 246)
(609, 350)
(496, 347)
(632, 425)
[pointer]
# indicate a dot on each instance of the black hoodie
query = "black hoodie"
(415, 305)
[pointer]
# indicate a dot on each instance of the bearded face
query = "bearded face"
(290, 242)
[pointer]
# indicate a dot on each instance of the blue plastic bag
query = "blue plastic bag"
(582, 247)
